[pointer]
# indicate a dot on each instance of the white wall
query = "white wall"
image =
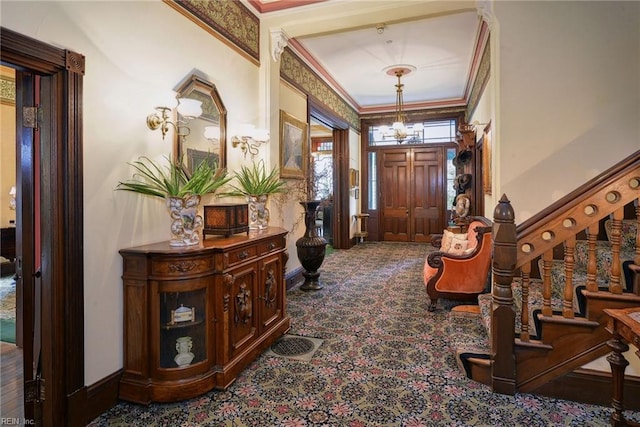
(135, 53)
(568, 95)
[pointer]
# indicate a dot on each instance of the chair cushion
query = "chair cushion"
(458, 246)
(447, 238)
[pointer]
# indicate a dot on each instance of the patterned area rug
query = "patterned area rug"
(384, 361)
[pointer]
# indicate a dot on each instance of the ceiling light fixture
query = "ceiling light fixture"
(400, 130)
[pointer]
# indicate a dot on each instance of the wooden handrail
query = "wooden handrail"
(580, 209)
(515, 248)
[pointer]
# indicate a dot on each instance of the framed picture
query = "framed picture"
(486, 160)
(294, 147)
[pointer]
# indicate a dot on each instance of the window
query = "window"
(451, 176)
(372, 179)
(434, 131)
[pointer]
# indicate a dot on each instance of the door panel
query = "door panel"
(427, 194)
(412, 194)
(396, 195)
(26, 231)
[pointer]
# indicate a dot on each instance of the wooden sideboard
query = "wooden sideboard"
(195, 317)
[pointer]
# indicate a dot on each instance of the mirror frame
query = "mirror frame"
(198, 84)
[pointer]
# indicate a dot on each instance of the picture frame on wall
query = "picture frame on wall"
(486, 160)
(294, 147)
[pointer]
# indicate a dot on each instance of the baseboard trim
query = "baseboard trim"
(102, 395)
(593, 387)
(294, 278)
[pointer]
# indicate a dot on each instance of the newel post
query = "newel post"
(503, 373)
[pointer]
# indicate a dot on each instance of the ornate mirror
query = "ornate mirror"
(207, 136)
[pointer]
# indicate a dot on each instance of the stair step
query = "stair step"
(468, 338)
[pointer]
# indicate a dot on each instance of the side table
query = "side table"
(624, 325)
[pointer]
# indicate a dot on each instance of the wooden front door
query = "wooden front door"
(412, 194)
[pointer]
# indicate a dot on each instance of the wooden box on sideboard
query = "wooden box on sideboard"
(226, 219)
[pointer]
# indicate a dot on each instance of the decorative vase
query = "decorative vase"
(258, 212)
(184, 356)
(311, 248)
(185, 221)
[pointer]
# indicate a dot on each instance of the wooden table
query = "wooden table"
(624, 325)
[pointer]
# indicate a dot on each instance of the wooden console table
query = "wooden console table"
(624, 325)
(195, 317)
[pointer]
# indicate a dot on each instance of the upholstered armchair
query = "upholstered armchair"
(460, 269)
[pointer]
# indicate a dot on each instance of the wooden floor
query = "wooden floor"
(11, 401)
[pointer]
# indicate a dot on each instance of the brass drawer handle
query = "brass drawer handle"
(272, 246)
(243, 255)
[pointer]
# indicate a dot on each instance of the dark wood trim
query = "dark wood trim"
(101, 396)
(293, 278)
(593, 387)
(62, 313)
(341, 220)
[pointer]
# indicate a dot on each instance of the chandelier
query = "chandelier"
(400, 130)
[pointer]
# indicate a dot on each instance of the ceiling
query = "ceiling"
(353, 54)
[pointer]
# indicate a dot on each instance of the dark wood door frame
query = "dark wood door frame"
(341, 215)
(62, 312)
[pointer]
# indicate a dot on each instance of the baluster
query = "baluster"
(592, 267)
(547, 262)
(616, 226)
(524, 319)
(569, 261)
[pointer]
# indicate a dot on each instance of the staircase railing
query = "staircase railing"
(517, 248)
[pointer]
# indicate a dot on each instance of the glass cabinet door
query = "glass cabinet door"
(183, 340)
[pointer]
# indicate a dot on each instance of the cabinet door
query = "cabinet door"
(270, 292)
(182, 313)
(241, 317)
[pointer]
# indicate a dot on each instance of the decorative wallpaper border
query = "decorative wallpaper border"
(231, 20)
(484, 71)
(7, 90)
(301, 76)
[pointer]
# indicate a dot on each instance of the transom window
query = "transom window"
(433, 132)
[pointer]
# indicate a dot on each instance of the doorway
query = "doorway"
(11, 357)
(412, 196)
(49, 153)
(337, 213)
(322, 170)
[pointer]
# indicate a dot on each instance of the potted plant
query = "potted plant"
(181, 191)
(255, 184)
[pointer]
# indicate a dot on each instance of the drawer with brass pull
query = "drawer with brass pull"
(243, 254)
(270, 245)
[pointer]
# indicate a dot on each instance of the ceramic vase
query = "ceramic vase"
(184, 356)
(311, 248)
(258, 212)
(186, 224)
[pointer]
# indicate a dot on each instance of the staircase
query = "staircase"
(553, 276)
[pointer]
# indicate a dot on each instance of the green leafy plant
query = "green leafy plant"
(255, 181)
(152, 179)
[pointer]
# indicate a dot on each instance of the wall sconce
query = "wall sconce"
(12, 198)
(187, 108)
(250, 140)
